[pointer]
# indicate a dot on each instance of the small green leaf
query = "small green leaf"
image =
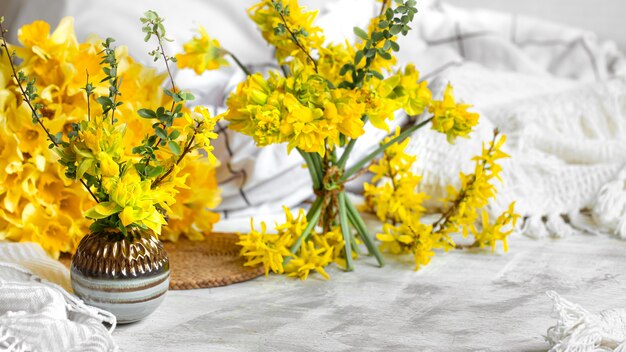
(155, 171)
(159, 131)
(357, 58)
(147, 113)
(360, 33)
(174, 134)
(175, 148)
(377, 74)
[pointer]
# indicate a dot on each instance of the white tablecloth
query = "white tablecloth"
(462, 301)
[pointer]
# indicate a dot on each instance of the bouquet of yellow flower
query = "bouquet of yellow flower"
(318, 104)
(133, 187)
(39, 202)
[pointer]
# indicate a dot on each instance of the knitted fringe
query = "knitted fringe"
(578, 330)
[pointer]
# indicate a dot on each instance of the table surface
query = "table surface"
(462, 301)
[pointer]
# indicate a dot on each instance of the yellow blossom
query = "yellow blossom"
(202, 53)
(309, 259)
(292, 20)
(266, 249)
(60, 65)
(451, 118)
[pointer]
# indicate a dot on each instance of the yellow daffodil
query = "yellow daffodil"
(30, 174)
(202, 53)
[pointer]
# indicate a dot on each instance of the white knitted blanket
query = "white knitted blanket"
(559, 95)
(38, 315)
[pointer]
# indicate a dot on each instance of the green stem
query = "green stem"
(355, 246)
(316, 204)
(361, 228)
(315, 213)
(345, 230)
(241, 65)
(317, 162)
(313, 170)
(346, 152)
(373, 154)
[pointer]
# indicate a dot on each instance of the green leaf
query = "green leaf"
(395, 29)
(377, 74)
(377, 36)
(147, 113)
(385, 55)
(344, 69)
(159, 131)
(360, 33)
(174, 134)
(103, 210)
(155, 171)
(84, 167)
(104, 101)
(357, 58)
(175, 148)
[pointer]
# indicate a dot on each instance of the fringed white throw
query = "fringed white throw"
(578, 330)
(37, 315)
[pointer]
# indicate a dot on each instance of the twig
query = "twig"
(295, 39)
(30, 105)
(186, 150)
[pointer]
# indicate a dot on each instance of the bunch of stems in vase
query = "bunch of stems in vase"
(318, 103)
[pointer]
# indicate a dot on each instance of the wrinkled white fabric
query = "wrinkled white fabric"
(38, 315)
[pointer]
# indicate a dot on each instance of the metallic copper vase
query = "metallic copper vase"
(127, 278)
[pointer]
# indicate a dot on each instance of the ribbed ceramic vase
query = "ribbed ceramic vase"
(127, 278)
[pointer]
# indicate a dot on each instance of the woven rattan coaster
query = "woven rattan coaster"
(210, 263)
(201, 264)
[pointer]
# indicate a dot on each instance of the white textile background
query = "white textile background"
(512, 68)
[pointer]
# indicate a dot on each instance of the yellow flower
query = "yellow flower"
(108, 166)
(205, 126)
(134, 201)
(378, 108)
(333, 241)
(52, 232)
(396, 198)
(304, 127)
(293, 226)
(190, 215)
(405, 88)
(332, 57)
(202, 53)
(280, 30)
(410, 236)
(491, 233)
(309, 259)
(266, 249)
(451, 118)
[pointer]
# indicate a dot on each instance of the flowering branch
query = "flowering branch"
(281, 11)
(28, 94)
